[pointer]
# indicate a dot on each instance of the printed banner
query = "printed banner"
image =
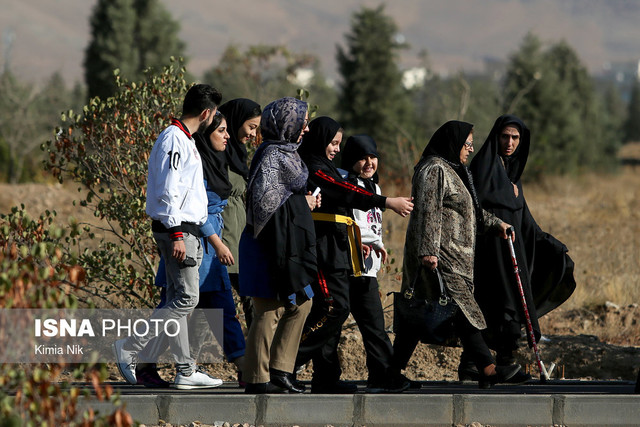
(87, 335)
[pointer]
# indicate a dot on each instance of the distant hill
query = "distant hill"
(50, 36)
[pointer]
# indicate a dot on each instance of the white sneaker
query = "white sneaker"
(125, 361)
(197, 379)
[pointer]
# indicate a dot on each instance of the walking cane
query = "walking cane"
(544, 375)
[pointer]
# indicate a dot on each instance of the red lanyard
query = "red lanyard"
(181, 125)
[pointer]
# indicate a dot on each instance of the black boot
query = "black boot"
(507, 359)
(286, 380)
(467, 370)
(503, 374)
(336, 387)
(263, 388)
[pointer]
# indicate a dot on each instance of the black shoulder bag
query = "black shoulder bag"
(434, 321)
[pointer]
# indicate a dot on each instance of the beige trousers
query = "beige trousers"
(273, 338)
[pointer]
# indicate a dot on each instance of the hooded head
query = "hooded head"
(213, 162)
(283, 121)
(322, 131)
(494, 173)
(238, 111)
(448, 140)
(276, 170)
(357, 148)
(515, 162)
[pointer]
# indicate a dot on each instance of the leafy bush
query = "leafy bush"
(106, 150)
(38, 273)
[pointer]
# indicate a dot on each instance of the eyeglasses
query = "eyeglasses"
(468, 145)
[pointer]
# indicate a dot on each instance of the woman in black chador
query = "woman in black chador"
(339, 252)
(546, 271)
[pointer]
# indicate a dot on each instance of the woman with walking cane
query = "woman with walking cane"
(546, 271)
(442, 234)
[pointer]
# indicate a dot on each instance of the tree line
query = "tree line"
(103, 138)
(577, 122)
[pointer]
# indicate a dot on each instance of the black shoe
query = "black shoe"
(519, 378)
(415, 385)
(503, 373)
(375, 388)
(286, 380)
(637, 390)
(241, 383)
(398, 384)
(338, 387)
(147, 375)
(468, 373)
(263, 388)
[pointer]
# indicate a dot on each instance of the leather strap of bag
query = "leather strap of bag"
(444, 298)
(408, 293)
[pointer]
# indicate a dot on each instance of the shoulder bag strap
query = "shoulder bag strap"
(408, 293)
(444, 297)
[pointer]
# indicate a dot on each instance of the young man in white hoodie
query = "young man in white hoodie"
(177, 204)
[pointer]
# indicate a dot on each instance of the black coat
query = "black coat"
(546, 270)
(338, 195)
(293, 265)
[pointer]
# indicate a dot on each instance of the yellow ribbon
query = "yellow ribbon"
(353, 232)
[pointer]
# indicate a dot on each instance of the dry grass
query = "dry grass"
(596, 216)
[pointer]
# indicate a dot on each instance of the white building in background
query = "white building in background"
(414, 77)
(622, 72)
(302, 77)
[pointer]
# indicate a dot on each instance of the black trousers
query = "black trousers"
(321, 333)
(368, 313)
(474, 347)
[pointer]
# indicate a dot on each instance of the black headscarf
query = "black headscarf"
(315, 141)
(545, 268)
(213, 162)
(357, 148)
(277, 171)
(446, 143)
(237, 111)
(494, 181)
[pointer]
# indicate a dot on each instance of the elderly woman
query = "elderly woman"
(277, 249)
(546, 270)
(442, 233)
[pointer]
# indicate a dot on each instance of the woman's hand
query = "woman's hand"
(382, 253)
(507, 231)
(313, 201)
(366, 251)
(430, 261)
(400, 205)
(222, 251)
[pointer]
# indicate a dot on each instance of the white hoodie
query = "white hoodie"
(370, 223)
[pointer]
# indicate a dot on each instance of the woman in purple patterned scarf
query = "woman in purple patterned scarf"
(277, 248)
